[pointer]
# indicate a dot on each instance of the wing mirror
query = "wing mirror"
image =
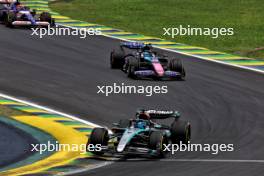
(115, 124)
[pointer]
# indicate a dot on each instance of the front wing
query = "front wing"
(138, 151)
(151, 73)
(29, 23)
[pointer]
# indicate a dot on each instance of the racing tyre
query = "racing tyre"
(156, 141)
(124, 123)
(99, 136)
(176, 65)
(9, 19)
(132, 67)
(180, 132)
(2, 17)
(34, 12)
(117, 59)
(46, 16)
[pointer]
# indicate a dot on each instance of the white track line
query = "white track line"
(78, 171)
(48, 109)
(214, 160)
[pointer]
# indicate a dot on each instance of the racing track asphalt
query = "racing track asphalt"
(223, 104)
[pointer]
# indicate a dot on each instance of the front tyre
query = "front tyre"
(133, 66)
(117, 59)
(46, 17)
(156, 142)
(177, 66)
(99, 136)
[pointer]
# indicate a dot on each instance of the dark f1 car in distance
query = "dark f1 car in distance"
(138, 60)
(13, 13)
(141, 136)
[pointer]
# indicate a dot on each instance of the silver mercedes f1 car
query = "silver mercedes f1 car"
(141, 136)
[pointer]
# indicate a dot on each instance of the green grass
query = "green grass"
(149, 17)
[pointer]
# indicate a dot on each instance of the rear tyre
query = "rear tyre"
(99, 136)
(46, 16)
(117, 59)
(133, 66)
(124, 123)
(52, 23)
(156, 141)
(177, 66)
(34, 12)
(2, 17)
(180, 132)
(9, 19)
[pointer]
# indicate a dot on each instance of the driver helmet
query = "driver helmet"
(18, 5)
(147, 47)
(141, 125)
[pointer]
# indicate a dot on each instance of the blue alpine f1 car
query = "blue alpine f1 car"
(138, 60)
(141, 136)
(13, 13)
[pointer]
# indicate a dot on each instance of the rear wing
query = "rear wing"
(132, 45)
(7, 1)
(161, 114)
